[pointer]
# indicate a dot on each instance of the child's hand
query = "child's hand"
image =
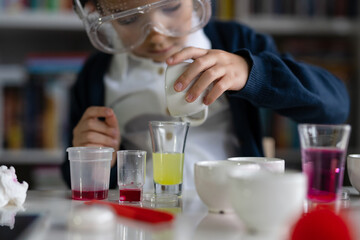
(91, 131)
(226, 71)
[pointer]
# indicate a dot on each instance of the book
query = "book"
(12, 117)
(11, 79)
(225, 9)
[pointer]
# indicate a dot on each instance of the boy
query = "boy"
(244, 68)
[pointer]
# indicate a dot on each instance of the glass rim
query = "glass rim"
(132, 151)
(168, 123)
(342, 125)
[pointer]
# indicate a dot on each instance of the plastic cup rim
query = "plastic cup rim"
(90, 149)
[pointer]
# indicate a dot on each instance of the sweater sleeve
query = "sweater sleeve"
(301, 91)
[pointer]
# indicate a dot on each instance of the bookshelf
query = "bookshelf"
(42, 47)
(321, 32)
(287, 25)
(40, 20)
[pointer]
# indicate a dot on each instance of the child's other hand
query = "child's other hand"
(226, 71)
(91, 131)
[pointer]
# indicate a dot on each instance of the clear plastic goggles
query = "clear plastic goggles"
(116, 26)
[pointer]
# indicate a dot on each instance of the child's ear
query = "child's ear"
(88, 4)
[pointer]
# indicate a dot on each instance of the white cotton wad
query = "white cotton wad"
(7, 215)
(11, 191)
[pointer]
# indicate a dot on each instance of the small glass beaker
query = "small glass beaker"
(168, 144)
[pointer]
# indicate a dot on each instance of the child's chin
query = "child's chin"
(160, 59)
(164, 56)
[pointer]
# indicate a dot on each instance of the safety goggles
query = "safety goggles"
(116, 26)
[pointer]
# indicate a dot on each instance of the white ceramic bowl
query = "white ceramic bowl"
(353, 167)
(266, 201)
(272, 164)
(211, 182)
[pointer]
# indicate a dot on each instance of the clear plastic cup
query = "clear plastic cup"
(90, 172)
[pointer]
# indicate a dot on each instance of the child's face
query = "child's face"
(159, 47)
(149, 29)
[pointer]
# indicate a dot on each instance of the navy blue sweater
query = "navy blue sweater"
(302, 92)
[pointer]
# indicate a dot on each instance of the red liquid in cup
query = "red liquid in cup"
(325, 171)
(130, 195)
(89, 195)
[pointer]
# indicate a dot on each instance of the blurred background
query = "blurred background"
(43, 46)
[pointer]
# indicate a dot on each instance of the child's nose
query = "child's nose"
(155, 37)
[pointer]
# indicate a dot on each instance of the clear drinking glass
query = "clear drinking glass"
(131, 166)
(168, 144)
(323, 152)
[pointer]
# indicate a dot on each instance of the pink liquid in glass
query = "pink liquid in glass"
(130, 195)
(325, 171)
(89, 195)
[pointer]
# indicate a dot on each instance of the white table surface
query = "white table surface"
(192, 219)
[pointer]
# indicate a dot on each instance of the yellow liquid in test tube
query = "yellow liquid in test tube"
(168, 168)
